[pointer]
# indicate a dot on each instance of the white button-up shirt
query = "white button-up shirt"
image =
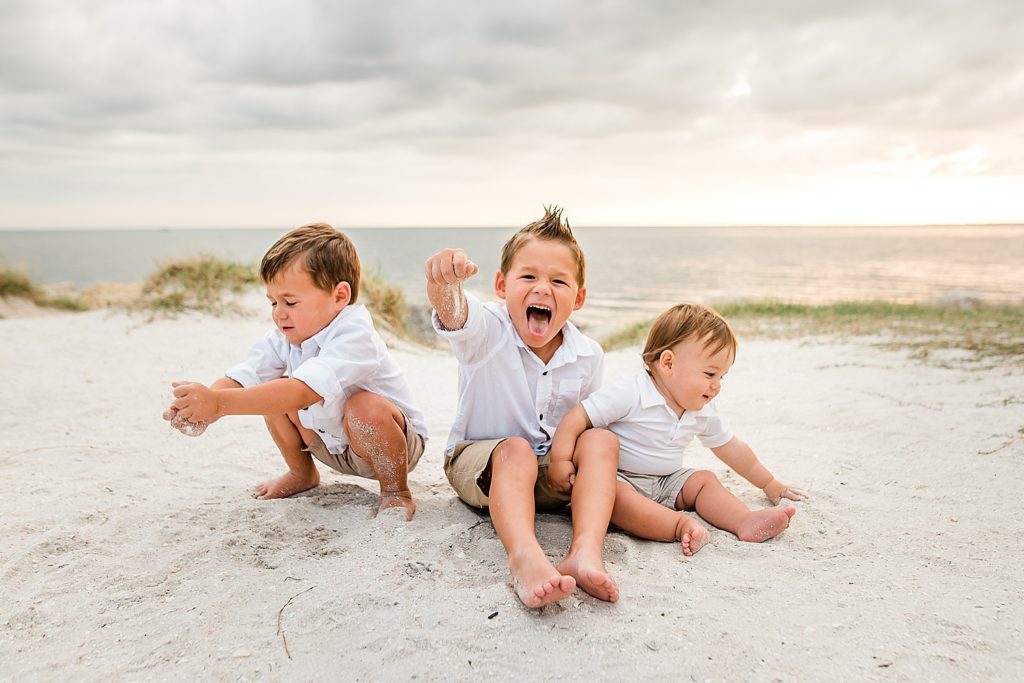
(346, 357)
(505, 389)
(651, 437)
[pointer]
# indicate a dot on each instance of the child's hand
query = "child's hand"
(195, 403)
(184, 426)
(448, 267)
(776, 491)
(562, 475)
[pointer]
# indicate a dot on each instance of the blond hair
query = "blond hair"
(688, 321)
(327, 255)
(551, 227)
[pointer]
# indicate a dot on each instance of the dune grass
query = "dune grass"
(986, 332)
(197, 284)
(15, 283)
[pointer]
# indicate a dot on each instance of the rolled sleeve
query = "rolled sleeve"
(470, 341)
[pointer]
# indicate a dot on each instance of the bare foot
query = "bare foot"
(401, 499)
(760, 525)
(537, 582)
(288, 484)
(691, 534)
(591, 577)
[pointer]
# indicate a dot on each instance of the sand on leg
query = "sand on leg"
(376, 433)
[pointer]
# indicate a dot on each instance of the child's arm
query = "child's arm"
(445, 271)
(198, 403)
(561, 470)
(741, 459)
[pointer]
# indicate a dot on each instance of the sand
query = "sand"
(129, 551)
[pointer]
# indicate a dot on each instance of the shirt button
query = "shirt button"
(545, 373)
(542, 416)
(321, 431)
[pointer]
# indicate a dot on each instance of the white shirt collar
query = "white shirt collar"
(650, 396)
(320, 338)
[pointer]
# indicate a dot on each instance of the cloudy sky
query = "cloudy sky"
(238, 112)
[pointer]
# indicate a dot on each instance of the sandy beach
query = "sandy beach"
(129, 551)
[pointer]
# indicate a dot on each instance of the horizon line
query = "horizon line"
(9, 228)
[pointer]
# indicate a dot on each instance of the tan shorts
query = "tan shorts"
(467, 470)
(661, 488)
(347, 462)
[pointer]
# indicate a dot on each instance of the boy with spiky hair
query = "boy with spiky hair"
(522, 366)
(323, 379)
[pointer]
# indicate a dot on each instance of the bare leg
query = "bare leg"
(641, 516)
(593, 497)
(715, 503)
(513, 475)
(376, 432)
(302, 473)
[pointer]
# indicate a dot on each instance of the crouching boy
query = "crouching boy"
(323, 379)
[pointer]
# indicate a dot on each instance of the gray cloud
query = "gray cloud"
(119, 81)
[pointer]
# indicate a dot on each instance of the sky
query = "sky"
(128, 113)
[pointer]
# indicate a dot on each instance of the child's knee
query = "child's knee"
(694, 483)
(598, 445)
(367, 408)
(514, 452)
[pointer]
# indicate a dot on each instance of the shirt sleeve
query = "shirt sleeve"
(264, 363)
(349, 359)
(593, 382)
(610, 403)
(470, 343)
(715, 431)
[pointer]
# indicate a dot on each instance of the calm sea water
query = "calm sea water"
(632, 272)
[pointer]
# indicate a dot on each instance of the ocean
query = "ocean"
(632, 273)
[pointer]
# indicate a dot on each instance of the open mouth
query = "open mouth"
(538, 319)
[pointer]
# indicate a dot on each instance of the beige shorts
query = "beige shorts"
(468, 472)
(661, 488)
(347, 462)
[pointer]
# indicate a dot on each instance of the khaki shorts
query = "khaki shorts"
(661, 488)
(468, 472)
(347, 462)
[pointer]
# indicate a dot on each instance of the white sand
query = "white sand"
(129, 551)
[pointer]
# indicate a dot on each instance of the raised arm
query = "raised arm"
(743, 461)
(561, 470)
(445, 271)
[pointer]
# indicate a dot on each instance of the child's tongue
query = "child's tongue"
(538, 322)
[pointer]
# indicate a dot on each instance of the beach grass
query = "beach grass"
(986, 332)
(15, 283)
(199, 284)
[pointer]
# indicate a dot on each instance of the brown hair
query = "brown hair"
(688, 321)
(550, 227)
(327, 255)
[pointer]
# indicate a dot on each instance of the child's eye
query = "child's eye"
(710, 375)
(559, 282)
(289, 304)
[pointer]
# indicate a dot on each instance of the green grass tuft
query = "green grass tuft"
(14, 283)
(987, 332)
(196, 284)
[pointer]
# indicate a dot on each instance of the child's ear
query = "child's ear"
(667, 359)
(342, 294)
(581, 296)
(499, 285)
